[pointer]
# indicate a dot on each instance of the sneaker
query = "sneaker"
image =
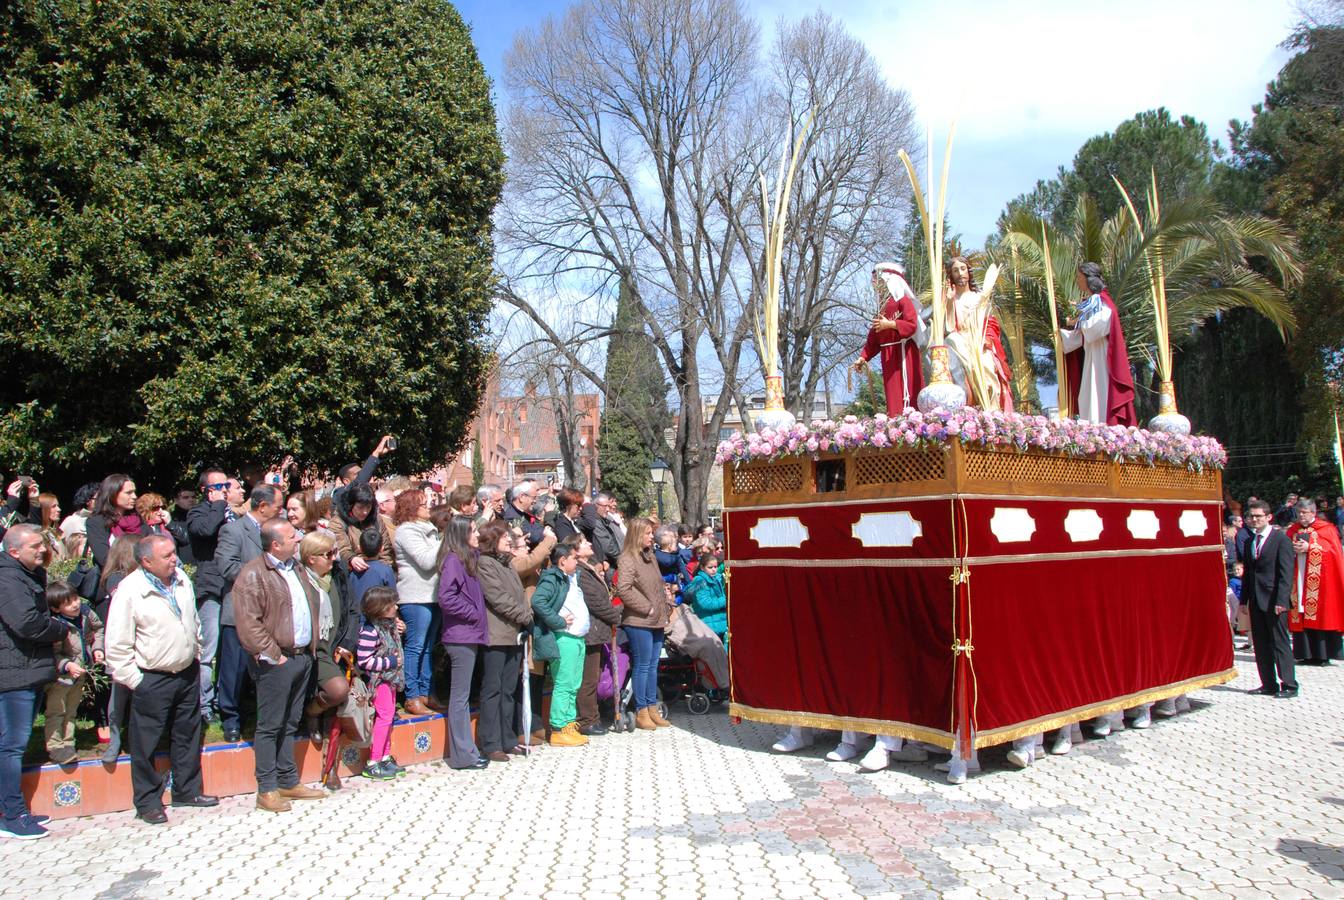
(795, 739)
(875, 760)
(377, 771)
(1019, 758)
(1063, 742)
(391, 765)
(842, 753)
(22, 829)
(1143, 719)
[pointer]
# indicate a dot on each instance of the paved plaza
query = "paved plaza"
(1240, 797)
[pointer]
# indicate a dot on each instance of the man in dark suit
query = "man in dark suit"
(239, 544)
(1267, 589)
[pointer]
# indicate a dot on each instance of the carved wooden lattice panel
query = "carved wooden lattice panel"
(772, 478)
(1166, 478)
(997, 466)
(894, 468)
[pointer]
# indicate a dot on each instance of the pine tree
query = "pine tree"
(636, 407)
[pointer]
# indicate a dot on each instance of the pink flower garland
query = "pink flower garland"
(973, 426)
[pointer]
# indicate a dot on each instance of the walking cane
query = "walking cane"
(527, 695)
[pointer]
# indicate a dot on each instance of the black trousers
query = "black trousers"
(589, 714)
(281, 691)
(172, 702)
(1273, 648)
(497, 726)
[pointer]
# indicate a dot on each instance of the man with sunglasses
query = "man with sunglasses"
(204, 522)
(518, 511)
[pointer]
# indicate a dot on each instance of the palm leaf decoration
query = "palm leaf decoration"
(1204, 254)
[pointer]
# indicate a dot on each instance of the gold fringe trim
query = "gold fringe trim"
(944, 739)
(1116, 704)
(843, 723)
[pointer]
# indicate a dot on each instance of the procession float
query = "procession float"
(956, 572)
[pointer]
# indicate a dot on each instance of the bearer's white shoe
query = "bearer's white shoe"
(972, 766)
(1165, 708)
(1063, 743)
(843, 752)
(1101, 726)
(875, 760)
(1142, 720)
(1019, 758)
(796, 739)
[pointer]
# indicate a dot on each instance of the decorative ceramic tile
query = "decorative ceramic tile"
(67, 793)
(422, 742)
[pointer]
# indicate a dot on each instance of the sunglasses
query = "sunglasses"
(156, 508)
(330, 554)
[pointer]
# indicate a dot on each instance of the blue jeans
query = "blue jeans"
(645, 645)
(418, 642)
(207, 613)
(16, 724)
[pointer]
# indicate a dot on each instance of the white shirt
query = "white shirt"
(575, 606)
(1091, 334)
(298, 601)
(143, 632)
(1258, 541)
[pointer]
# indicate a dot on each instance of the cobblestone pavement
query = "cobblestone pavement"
(1241, 796)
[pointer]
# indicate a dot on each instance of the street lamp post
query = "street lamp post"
(658, 471)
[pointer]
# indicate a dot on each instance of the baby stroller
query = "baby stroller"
(694, 664)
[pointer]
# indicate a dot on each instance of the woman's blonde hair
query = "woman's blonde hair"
(315, 543)
(635, 530)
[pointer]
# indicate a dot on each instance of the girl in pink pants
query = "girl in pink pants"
(380, 659)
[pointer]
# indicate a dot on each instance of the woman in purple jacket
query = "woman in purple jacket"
(464, 632)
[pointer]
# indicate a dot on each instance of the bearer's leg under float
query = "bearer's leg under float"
(1065, 738)
(847, 749)
(1105, 723)
(887, 748)
(958, 766)
(1023, 753)
(797, 738)
(1140, 716)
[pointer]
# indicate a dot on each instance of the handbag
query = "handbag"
(86, 576)
(356, 714)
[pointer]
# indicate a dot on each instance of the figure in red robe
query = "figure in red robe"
(1101, 388)
(1318, 582)
(894, 337)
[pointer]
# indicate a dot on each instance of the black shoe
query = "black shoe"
(153, 816)
(597, 730)
(1286, 693)
(199, 800)
(1267, 691)
(478, 764)
(232, 735)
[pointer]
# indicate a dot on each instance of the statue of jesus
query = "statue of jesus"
(976, 359)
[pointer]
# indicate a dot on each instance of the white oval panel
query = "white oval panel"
(779, 532)
(888, 529)
(1143, 524)
(1083, 525)
(1194, 522)
(1012, 524)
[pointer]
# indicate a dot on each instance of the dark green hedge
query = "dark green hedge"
(234, 229)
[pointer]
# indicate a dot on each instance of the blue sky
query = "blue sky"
(1028, 81)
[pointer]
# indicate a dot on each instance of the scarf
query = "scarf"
(127, 524)
(387, 641)
(1089, 306)
(326, 621)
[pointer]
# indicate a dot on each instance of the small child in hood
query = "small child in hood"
(81, 649)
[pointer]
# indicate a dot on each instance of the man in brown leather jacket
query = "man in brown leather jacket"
(276, 611)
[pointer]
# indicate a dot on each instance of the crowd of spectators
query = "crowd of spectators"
(258, 610)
